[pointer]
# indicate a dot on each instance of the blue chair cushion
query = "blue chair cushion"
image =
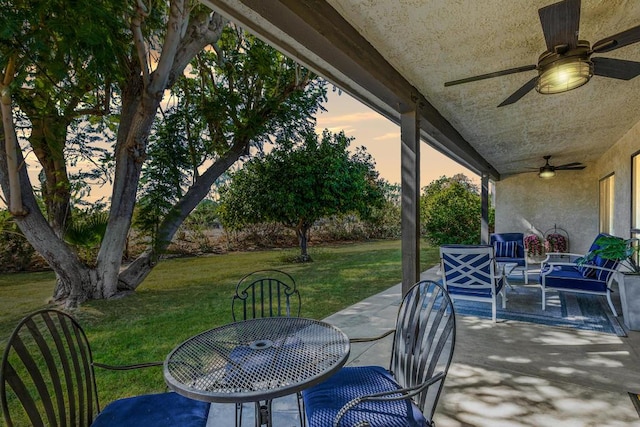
(475, 292)
(323, 401)
(518, 261)
(157, 410)
(569, 278)
(505, 249)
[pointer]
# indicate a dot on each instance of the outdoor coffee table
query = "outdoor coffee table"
(255, 361)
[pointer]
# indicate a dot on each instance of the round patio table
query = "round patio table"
(256, 360)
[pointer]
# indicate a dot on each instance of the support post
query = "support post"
(484, 198)
(410, 187)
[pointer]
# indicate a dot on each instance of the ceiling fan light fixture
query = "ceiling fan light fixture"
(564, 75)
(546, 172)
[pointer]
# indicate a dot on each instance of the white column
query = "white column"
(484, 197)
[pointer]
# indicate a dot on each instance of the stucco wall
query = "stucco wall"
(570, 199)
(618, 160)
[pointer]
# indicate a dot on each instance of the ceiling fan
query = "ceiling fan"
(549, 171)
(567, 62)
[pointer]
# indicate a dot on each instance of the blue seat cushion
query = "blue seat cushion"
(519, 261)
(323, 401)
(482, 292)
(570, 278)
(157, 410)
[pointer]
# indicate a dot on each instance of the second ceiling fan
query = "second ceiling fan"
(567, 62)
(549, 171)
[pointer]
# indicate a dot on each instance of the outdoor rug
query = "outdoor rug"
(524, 304)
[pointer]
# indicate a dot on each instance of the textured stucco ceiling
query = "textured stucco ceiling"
(433, 41)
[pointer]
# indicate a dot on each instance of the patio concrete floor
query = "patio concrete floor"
(507, 373)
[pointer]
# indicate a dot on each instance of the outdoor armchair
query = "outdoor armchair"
(562, 272)
(469, 272)
(407, 393)
(509, 248)
(47, 379)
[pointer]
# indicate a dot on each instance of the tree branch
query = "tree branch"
(138, 39)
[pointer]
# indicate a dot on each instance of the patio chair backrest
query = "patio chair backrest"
(468, 266)
(517, 238)
(265, 293)
(47, 376)
(424, 341)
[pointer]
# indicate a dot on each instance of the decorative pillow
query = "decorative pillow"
(587, 269)
(505, 249)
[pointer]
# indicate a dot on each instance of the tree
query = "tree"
(385, 221)
(110, 64)
(297, 184)
(450, 210)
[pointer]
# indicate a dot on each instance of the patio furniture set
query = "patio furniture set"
(47, 374)
(480, 272)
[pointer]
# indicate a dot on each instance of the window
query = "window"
(635, 198)
(606, 204)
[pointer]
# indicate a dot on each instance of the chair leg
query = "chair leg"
(613, 309)
(301, 412)
(543, 298)
(238, 414)
(525, 272)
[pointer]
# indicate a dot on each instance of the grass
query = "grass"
(182, 297)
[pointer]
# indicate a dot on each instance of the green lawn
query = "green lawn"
(182, 297)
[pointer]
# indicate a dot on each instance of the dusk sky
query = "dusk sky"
(382, 140)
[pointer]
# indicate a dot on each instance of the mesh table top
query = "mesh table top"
(256, 359)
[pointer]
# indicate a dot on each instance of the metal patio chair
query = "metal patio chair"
(469, 272)
(47, 379)
(266, 293)
(561, 272)
(407, 393)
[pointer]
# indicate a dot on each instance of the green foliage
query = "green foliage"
(203, 219)
(384, 221)
(167, 170)
(16, 254)
(450, 210)
(87, 231)
(299, 184)
(615, 248)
